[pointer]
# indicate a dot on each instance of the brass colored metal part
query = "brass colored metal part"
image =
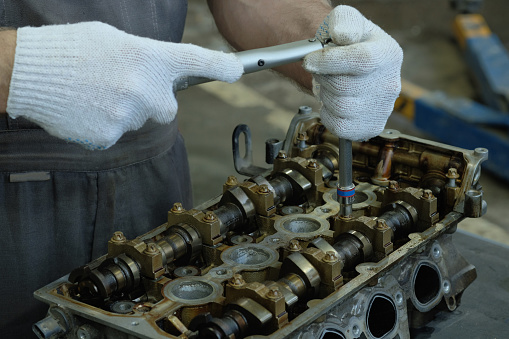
(151, 249)
(294, 246)
(209, 217)
(313, 164)
(118, 237)
(272, 257)
(258, 292)
(179, 326)
(263, 189)
(177, 208)
(330, 257)
(237, 281)
(209, 231)
(452, 173)
(381, 225)
(232, 181)
(274, 293)
(427, 194)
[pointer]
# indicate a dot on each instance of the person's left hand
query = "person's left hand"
(358, 80)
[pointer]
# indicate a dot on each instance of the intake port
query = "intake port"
(427, 285)
(381, 317)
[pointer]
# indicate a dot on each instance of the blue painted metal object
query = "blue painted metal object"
(460, 121)
(489, 62)
(487, 57)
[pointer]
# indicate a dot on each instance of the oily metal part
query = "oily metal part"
(276, 257)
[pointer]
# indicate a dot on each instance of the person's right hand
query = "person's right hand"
(90, 82)
(358, 80)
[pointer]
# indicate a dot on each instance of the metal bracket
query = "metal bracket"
(244, 165)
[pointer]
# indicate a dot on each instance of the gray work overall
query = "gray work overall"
(60, 203)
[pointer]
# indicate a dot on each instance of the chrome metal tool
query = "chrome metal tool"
(263, 58)
(346, 188)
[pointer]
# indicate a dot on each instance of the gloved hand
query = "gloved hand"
(357, 81)
(90, 82)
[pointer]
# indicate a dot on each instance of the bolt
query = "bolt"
(282, 155)
(330, 256)
(427, 194)
(118, 237)
(294, 245)
(301, 140)
(232, 181)
(313, 164)
(177, 208)
(209, 217)
(151, 249)
(263, 189)
(142, 308)
(261, 62)
(393, 185)
(237, 280)
(381, 225)
(302, 136)
(274, 293)
(87, 331)
(452, 173)
(305, 110)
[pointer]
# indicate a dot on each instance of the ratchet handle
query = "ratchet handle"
(262, 58)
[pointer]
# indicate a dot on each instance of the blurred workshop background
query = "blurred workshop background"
(266, 102)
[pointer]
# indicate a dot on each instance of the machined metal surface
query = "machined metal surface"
(276, 256)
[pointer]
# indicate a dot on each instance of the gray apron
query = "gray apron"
(60, 203)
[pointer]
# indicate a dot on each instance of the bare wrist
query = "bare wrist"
(8, 43)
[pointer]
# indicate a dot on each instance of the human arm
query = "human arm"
(357, 81)
(249, 24)
(8, 43)
(89, 82)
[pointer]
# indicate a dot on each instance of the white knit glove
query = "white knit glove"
(90, 82)
(357, 81)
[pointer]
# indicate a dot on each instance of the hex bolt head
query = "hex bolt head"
(294, 245)
(282, 155)
(209, 217)
(330, 257)
(313, 164)
(151, 249)
(452, 173)
(381, 225)
(274, 293)
(306, 109)
(232, 181)
(177, 208)
(237, 280)
(427, 195)
(302, 136)
(263, 189)
(118, 237)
